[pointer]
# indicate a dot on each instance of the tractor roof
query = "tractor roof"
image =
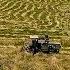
(33, 36)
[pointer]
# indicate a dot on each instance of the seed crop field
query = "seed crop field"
(21, 18)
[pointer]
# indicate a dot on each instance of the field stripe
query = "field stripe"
(12, 21)
(3, 7)
(12, 6)
(3, 3)
(21, 4)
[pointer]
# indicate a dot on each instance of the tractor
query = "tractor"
(42, 44)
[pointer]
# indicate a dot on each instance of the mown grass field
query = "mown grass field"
(21, 18)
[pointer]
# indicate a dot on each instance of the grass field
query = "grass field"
(21, 18)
